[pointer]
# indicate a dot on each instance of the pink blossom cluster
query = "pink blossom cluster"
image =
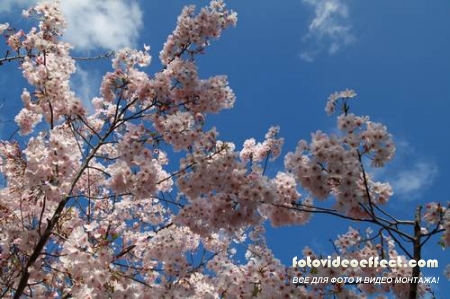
(221, 194)
(257, 152)
(434, 212)
(178, 129)
(438, 216)
(127, 58)
(262, 276)
(52, 22)
(334, 98)
(189, 92)
(92, 208)
(446, 228)
(280, 211)
(353, 246)
(333, 164)
(137, 170)
(47, 66)
(197, 29)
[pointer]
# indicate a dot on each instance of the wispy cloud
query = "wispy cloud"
(106, 24)
(412, 182)
(409, 180)
(330, 29)
(85, 83)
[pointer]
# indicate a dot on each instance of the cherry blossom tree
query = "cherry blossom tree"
(93, 208)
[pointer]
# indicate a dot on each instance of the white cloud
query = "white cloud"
(308, 57)
(411, 183)
(408, 180)
(330, 30)
(108, 24)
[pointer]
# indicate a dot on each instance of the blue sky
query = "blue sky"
(283, 61)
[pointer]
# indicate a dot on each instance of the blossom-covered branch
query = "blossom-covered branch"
(139, 197)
